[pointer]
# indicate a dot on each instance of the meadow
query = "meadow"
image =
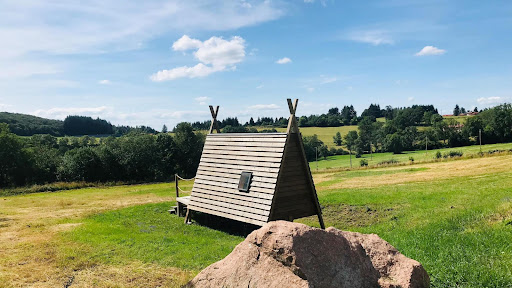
(343, 161)
(324, 134)
(455, 217)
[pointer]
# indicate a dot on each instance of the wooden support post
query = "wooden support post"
(176, 185)
(293, 127)
(214, 120)
(187, 216)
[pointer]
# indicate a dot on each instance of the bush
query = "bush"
(358, 155)
(411, 159)
(438, 155)
(389, 162)
(452, 154)
(363, 162)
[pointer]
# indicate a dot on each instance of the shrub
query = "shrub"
(358, 155)
(363, 162)
(389, 162)
(438, 155)
(452, 154)
(411, 159)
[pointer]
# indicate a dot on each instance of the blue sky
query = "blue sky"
(161, 62)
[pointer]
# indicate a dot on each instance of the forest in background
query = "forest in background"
(148, 156)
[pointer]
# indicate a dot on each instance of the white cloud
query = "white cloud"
(327, 79)
(323, 2)
(94, 26)
(214, 55)
(284, 60)
(186, 43)
(202, 100)
(31, 30)
(259, 86)
(430, 50)
(373, 37)
(264, 107)
(492, 100)
(410, 99)
(62, 112)
(104, 82)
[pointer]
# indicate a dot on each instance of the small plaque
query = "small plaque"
(245, 180)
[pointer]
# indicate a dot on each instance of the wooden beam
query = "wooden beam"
(293, 126)
(214, 120)
(312, 184)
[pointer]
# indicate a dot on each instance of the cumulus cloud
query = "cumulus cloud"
(430, 50)
(492, 100)
(264, 107)
(215, 54)
(284, 60)
(373, 37)
(104, 82)
(202, 100)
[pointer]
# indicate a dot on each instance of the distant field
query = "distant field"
(455, 217)
(460, 119)
(325, 134)
(343, 161)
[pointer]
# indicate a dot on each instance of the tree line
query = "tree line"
(73, 125)
(400, 132)
(135, 157)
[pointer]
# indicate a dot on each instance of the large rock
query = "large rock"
(286, 254)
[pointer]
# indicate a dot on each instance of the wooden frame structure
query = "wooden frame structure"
(281, 186)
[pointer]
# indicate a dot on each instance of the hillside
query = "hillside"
(454, 217)
(27, 125)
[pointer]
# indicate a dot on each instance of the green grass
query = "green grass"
(149, 234)
(343, 161)
(325, 134)
(460, 119)
(458, 228)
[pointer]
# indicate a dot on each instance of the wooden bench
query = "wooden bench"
(181, 208)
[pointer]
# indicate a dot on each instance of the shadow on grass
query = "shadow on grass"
(222, 224)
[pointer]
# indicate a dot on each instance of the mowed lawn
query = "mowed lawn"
(455, 217)
(343, 161)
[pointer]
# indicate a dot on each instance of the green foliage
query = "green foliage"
(411, 159)
(189, 146)
(83, 125)
(389, 162)
(439, 155)
(451, 154)
(14, 158)
(363, 162)
(337, 139)
(456, 110)
(351, 139)
(27, 125)
(395, 143)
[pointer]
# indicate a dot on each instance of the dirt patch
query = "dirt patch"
(344, 215)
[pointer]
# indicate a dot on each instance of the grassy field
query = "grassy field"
(343, 161)
(455, 217)
(325, 134)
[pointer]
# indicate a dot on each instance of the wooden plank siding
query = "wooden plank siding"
(224, 157)
(293, 197)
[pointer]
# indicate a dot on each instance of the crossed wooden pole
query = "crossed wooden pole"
(214, 124)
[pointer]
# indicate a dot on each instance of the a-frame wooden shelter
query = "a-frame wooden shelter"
(254, 177)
